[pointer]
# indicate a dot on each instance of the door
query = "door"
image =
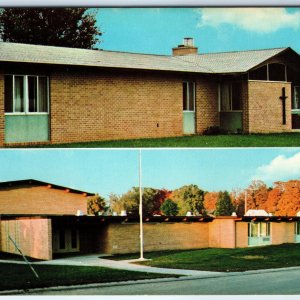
(65, 240)
(189, 120)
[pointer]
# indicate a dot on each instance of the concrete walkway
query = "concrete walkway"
(94, 261)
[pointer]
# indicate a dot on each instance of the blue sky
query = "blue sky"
(157, 30)
(116, 171)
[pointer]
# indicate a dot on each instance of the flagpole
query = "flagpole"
(141, 208)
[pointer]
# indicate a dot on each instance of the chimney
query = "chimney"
(187, 47)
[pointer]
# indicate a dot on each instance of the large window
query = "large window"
(189, 96)
(231, 96)
(269, 72)
(259, 233)
(296, 98)
(26, 94)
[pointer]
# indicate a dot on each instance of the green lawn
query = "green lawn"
(19, 276)
(233, 260)
(254, 140)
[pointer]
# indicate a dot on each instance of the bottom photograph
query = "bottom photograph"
(150, 221)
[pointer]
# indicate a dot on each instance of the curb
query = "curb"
(143, 281)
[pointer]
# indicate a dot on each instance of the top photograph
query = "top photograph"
(149, 77)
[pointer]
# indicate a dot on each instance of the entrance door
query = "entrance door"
(189, 120)
(65, 240)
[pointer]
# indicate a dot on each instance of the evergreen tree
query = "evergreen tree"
(224, 206)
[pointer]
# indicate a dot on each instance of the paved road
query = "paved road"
(280, 282)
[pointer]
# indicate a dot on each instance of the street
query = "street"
(272, 283)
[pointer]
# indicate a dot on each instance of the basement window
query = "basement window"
(231, 96)
(26, 94)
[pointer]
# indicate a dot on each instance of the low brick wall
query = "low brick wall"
(124, 238)
(33, 237)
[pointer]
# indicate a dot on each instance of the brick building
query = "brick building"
(60, 95)
(45, 232)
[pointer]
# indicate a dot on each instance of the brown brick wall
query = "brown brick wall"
(241, 231)
(33, 237)
(30, 199)
(265, 107)
(124, 238)
(282, 233)
(87, 106)
(207, 111)
(1, 109)
(222, 233)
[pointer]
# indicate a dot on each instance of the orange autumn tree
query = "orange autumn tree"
(256, 194)
(210, 200)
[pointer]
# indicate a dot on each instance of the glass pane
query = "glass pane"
(191, 96)
(259, 74)
(184, 96)
(19, 94)
(296, 99)
(32, 94)
(298, 228)
(254, 229)
(8, 93)
(236, 96)
(74, 239)
(43, 95)
(62, 240)
(225, 97)
(276, 72)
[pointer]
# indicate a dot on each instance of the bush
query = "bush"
(214, 130)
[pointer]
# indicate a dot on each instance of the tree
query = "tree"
(169, 208)
(189, 198)
(95, 205)
(224, 206)
(257, 195)
(65, 27)
(131, 199)
(159, 199)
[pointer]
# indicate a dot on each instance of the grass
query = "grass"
(19, 276)
(253, 140)
(225, 260)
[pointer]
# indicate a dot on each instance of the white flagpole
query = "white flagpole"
(141, 208)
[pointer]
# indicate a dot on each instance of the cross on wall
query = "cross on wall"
(283, 97)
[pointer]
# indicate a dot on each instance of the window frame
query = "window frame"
(268, 73)
(296, 110)
(188, 95)
(26, 94)
(230, 99)
(259, 229)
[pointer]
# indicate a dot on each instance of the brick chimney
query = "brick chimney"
(187, 47)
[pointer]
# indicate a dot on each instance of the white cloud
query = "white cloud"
(260, 20)
(280, 168)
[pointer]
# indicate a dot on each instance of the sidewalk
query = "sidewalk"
(94, 261)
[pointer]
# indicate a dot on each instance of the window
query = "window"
(296, 98)
(277, 72)
(26, 94)
(231, 96)
(259, 229)
(271, 72)
(189, 96)
(297, 228)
